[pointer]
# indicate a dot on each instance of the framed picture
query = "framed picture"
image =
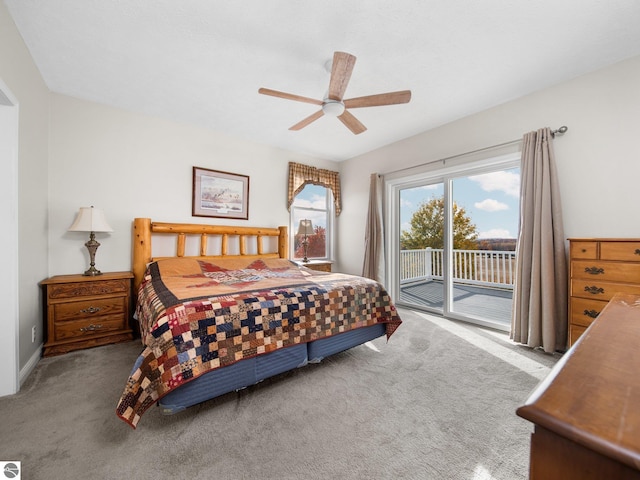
(220, 194)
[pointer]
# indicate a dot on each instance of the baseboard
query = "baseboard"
(31, 364)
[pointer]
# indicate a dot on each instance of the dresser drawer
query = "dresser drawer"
(88, 289)
(624, 251)
(575, 331)
(584, 312)
(76, 329)
(584, 250)
(599, 290)
(608, 271)
(90, 308)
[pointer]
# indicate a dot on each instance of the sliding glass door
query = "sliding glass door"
(421, 245)
(453, 240)
(486, 211)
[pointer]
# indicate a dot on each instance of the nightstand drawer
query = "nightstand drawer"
(87, 289)
(77, 329)
(317, 265)
(90, 308)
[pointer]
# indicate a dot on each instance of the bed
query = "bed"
(234, 312)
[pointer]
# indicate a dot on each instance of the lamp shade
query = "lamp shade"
(305, 227)
(90, 219)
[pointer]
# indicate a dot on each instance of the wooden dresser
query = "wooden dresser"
(586, 415)
(599, 267)
(83, 311)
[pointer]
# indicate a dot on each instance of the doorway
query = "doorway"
(453, 238)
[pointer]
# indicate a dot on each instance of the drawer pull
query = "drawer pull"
(594, 270)
(594, 290)
(637, 252)
(90, 310)
(91, 328)
(591, 313)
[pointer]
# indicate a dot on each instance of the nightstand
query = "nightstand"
(83, 311)
(319, 265)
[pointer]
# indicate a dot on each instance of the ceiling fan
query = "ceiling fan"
(333, 104)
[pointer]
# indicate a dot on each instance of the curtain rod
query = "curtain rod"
(560, 131)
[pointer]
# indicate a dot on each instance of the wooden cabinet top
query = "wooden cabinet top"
(76, 278)
(587, 239)
(592, 394)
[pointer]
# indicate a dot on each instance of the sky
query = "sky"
(491, 200)
(312, 196)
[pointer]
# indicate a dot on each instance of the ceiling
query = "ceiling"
(203, 61)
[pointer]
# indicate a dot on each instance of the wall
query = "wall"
(132, 165)
(21, 76)
(598, 159)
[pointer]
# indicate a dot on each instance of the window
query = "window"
(315, 203)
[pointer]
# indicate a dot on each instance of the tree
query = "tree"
(427, 228)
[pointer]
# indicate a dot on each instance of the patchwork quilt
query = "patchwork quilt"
(196, 316)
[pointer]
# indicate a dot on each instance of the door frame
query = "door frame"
(9, 274)
(508, 156)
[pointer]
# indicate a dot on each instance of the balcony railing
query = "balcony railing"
(480, 267)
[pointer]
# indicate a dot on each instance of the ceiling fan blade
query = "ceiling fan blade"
(391, 98)
(311, 118)
(352, 123)
(341, 69)
(289, 96)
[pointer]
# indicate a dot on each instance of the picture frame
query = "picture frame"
(220, 194)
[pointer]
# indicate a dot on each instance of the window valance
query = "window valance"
(300, 175)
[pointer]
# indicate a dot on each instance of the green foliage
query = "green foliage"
(427, 228)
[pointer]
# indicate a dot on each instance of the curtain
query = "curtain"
(539, 316)
(374, 263)
(300, 175)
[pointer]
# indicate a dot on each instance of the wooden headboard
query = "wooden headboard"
(143, 228)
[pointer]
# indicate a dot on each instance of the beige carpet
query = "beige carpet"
(436, 402)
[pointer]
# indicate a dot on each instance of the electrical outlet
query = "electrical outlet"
(33, 334)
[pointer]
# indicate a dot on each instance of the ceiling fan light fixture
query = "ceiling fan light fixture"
(333, 108)
(333, 103)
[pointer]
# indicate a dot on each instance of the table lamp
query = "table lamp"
(91, 220)
(305, 228)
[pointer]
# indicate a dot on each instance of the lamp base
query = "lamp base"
(305, 245)
(92, 272)
(92, 245)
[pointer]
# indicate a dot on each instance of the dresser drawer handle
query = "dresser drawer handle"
(594, 270)
(637, 252)
(594, 290)
(91, 328)
(591, 313)
(90, 310)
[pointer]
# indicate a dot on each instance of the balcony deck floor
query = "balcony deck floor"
(493, 304)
